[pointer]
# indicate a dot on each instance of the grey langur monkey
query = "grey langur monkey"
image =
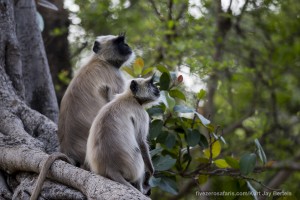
(91, 88)
(117, 144)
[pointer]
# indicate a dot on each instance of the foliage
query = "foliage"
(182, 143)
(247, 114)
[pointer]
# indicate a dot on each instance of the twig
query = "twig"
(259, 182)
(159, 15)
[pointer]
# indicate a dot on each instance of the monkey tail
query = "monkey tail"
(43, 173)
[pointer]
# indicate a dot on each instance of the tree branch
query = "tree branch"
(93, 186)
(159, 15)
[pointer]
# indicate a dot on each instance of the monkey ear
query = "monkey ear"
(134, 86)
(119, 39)
(96, 47)
(152, 77)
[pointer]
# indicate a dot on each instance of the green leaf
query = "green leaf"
(193, 137)
(164, 81)
(168, 100)
(153, 182)
(162, 163)
(201, 94)
(203, 142)
(163, 69)
(183, 109)
(216, 150)
(138, 66)
(203, 120)
(155, 111)
(261, 152)
(253, 190)
(161, 138)
(177, 94)
(232, 162)
(247, 163)
(221, 163)
(170, 140)
(202, 179)
(155, 128)
(147, 71)
(156, 151)
(167, 184)
(128, 70)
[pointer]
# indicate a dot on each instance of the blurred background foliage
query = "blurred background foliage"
(229, 72)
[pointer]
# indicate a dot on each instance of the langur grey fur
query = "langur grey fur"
(91, 88)
(117, 144)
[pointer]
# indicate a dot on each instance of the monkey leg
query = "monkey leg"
(117, 176)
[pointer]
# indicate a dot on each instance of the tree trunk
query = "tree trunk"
(26, 135)
(55, 37)
(39, 89)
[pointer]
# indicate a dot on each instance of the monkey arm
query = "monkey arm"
(146, 157)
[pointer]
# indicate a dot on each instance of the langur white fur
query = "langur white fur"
(117, 144)
(92, 87)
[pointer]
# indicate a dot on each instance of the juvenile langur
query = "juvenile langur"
(117, 144)
(91, 88)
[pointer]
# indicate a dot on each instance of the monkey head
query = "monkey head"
(114, 50)
(144, 90)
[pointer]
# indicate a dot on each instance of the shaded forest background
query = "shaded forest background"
(240, 63)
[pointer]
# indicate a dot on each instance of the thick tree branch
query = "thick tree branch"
(93, 186)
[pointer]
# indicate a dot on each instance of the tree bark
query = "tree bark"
(39, 89)
(93, 186)
(27, 136)
(55, 36)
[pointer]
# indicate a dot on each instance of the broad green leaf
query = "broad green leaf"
(261, 152)
(155, 128)
(164, 81)
(201, 94)
(216, 150)
(232, 162)
(155, 111)
(203, 142)
(177, 94)
(202, 179)
(161, 138)
(253, 190)
(247, 163)
(169, 185)
(193, 137)
(153, 182)
(203, 120)
(202, 160)
(138, 66)
(129, 71)
(147, 71)
(162, 163)
(156, 151)
(183, 109)
(168, 100)
(163, 69)
(170, 140)
(221, 163)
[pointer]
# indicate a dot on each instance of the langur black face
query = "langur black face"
(114, 50)
(144, 90)
(121, 46)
